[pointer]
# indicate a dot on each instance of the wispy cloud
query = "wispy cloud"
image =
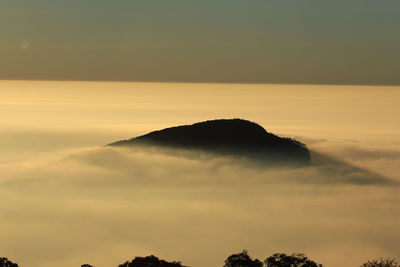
(104, 205)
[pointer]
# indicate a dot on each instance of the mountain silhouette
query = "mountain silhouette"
(236, 137)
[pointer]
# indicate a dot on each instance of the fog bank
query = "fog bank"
(65, 199)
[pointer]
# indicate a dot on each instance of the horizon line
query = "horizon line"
(207, 82)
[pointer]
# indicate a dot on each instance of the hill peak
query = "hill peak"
(226, 136)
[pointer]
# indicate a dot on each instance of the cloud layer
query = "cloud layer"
(106, 205)
(64, 201)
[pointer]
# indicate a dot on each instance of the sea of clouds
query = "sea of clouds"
(68, 204)
(66, 200)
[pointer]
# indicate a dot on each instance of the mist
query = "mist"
(66, 199)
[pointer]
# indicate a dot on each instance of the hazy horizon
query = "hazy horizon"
(202, 82)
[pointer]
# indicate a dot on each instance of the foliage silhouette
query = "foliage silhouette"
(4, 262)
(381, 263)
(150, 261)
(242, 259)
(227, 136)
(294, 260)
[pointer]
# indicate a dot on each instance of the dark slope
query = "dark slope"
(233, 136)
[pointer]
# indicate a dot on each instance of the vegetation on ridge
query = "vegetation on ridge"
(227, 136)
(241, 259)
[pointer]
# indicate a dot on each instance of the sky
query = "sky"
(257, 41)
(66, 200)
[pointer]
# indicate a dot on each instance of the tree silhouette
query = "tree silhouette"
(242, 259)
(150, 261)
(294, 260)
(381, 263)
(4, 262)
(87, 265)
